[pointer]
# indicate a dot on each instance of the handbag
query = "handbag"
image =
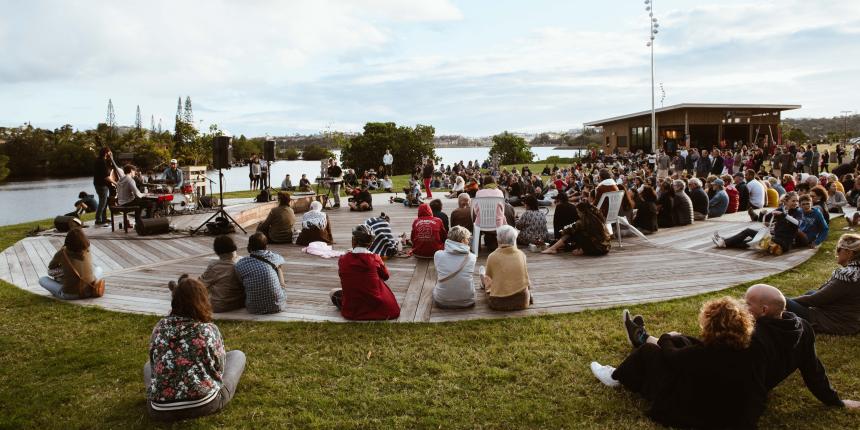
(454, 273)
(86, 289)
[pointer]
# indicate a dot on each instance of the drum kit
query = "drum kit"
(171, 200)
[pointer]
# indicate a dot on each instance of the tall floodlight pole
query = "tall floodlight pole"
(649, 7)
(845, 114)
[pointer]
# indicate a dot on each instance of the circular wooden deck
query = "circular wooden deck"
(669, 265)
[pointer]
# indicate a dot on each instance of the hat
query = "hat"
(719, 182)
(173, 161)
(739, 174)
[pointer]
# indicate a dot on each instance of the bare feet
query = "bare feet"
(577, 252)
(549, 250)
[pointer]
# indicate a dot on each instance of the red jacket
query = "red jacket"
(365, 295)
(734, 199)
(428, 233)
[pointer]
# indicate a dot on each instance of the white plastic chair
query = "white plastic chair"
(486, 221)
(613, 217)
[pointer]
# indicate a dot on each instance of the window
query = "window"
(640, 138)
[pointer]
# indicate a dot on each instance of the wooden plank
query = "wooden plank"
(425, 301)
(16, 272)
(30, 275)
(413, 293)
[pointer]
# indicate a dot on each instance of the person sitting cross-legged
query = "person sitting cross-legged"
(262, 277)
(71, 266)
(226, 292)
(363, 294)
(362, 200)
(189, 374)
(454, 268)
(315, 226)
(835, 306)
(428, 233)
(507, 276)
(278, 226)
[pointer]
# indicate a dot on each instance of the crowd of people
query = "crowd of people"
(744, 350)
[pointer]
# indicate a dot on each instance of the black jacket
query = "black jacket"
(700, 201)
(788, 344)
(743, 196)
(565, 214)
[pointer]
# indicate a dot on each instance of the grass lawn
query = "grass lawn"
(65, 366)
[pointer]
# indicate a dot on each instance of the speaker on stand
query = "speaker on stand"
(222, 156)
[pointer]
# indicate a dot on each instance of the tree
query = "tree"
(291, 154)
(315, 152)
(511, 149)
(408, 146)
(4, 171)
(244, 148)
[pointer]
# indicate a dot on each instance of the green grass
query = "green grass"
(65, 366)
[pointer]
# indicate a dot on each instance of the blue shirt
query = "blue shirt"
(718, 204)
(814, 226)
(263, 292)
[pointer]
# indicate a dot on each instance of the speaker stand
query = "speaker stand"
(221, 210)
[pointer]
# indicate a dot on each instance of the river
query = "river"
(22, 201)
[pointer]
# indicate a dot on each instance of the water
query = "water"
(31, 200)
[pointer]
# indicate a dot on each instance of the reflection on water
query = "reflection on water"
(30, 200)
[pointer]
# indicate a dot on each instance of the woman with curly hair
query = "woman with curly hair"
(587, 235)
(696, 382)
(819, 200)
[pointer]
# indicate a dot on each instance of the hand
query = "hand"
(851, 404)
(674, 333)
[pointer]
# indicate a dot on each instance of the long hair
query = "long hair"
(191, 300)
(591, 218)
(726, 322)
(76, 240)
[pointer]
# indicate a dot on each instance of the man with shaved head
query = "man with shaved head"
(786, 343)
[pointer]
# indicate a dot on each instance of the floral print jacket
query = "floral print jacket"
(187, 361)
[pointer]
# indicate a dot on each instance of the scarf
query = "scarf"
(314, 219)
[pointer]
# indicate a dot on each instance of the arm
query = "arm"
(381, 269)
(814, 375)
(832, 291)
(825, 228)
(57, 261)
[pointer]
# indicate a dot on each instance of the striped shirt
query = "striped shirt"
(384, 243)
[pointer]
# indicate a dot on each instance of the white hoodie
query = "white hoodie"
(459, 291)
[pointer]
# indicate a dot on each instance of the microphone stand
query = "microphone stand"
(221, 210)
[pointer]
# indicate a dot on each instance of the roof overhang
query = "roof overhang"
(764, 107)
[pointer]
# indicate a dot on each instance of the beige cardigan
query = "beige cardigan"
(506, 267)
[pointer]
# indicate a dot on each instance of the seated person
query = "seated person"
(565, 214)
(472, 187)
(188, 374)
(646, 211)
(665, 204)
(428, 233)
(531, 224)
(363, 294)
(71, 270)
(278, 226)
(783, 228)
(692, 382)
(226, 292)
(462, 216)
(287, 184)
(384, 243)
(771, 195)
(262, 277)
(506, 280)
(683, 206)
(836, 201)
(454, 268)
(459, 187)
(819, 200)
(700, 199)
(813, 228)
(835, 306)
(386, 184)
(362, 200)
(436, 207)
(587, 236)
(128, 195)
(315, 226)
(719, 203)
(174, 176)
(86, 204)
(304, 183)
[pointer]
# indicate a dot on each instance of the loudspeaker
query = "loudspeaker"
(269, 150)
(222, 152)
(62, 223)
(148, 226)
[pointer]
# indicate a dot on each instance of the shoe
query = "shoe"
(636, 333)
(638, 320)
(719, 241)
(752, 214)
(604, 374)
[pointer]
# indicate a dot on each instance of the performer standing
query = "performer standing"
(387, 161)
(102, 181)
(336, 174)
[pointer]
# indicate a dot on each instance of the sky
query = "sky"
(473, 68)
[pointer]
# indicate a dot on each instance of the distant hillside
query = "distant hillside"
(826, 128)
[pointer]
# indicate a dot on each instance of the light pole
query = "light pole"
(649, 7)
(845, 130)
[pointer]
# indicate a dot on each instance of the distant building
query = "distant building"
(698, 125)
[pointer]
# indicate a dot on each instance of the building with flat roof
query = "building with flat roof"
(697, 125)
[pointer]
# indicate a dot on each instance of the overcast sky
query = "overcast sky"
(466, 67)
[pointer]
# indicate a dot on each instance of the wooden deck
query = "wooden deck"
(674, 263)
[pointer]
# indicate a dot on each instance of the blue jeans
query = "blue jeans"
(798, 309)
(56, 288)
(101, 211)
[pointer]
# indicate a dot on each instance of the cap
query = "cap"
(173, 161)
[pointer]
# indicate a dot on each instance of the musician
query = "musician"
(103, 181)
(173, 175)
(336, 174)
(127, 193)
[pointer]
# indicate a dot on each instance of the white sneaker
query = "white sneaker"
(718, 241)
(604, 374)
